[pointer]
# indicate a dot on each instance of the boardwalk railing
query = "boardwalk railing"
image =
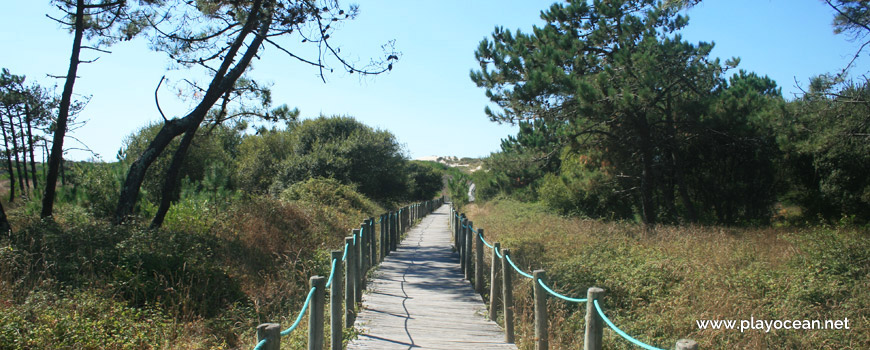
(501, 290)
(362, 251)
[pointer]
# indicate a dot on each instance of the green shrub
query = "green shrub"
(584, 187)
(86, 320)
(348, 151)
(329, 192)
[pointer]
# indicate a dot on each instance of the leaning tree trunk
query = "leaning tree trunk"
(170, 191)
(8, 163)
(54, 159)
(224, 80)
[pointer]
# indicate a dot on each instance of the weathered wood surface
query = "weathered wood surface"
(419, 298)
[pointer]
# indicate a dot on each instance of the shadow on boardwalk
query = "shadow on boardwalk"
(419, 298)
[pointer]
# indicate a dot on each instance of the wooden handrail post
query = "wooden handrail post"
(383, 242)
(686, 344)
(373, 244)
(457, 239)
(468, 242)
(462, 227)
(495, 283)
(478, 261)
(335, 327)
(357, 266)
(272, 333)
(594, 323)
(508, 297)
(363, 249)
(394, 231)
(349, 291)
(542, 322)
(315, 313)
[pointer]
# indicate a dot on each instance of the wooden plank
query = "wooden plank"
(420, 299)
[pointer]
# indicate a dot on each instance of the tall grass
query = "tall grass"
(660, 282)
(221, 265)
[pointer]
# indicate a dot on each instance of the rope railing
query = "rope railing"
(295, 324)
(620, 332)
(464, 231)
(360, 254)
(331, 273)
(560, 296)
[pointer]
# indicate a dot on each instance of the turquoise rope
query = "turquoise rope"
(620, 332)
(576, 300)
(496, 252)
(301, 313)
(484, 241)
(344, 257)
(331, 273)
(517, 268)
(260, 344)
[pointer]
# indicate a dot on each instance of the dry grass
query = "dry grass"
(659, 282)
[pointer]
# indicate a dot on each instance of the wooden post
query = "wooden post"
(272, 333)
(315, 313)
(383, 242)
(363, 249)
(594, 323)
(469, 270)
(478, 261)
(399, 223)
(508, 297)
(541, 318)
(686, 344)
(357, 265)
(335, 326)
(462, 228)
(394, 231)
(373, 244)
(495, 283)
(349, 289)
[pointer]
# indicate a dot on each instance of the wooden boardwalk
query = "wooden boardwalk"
(419, 298)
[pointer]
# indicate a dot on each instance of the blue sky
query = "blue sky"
(427, 101)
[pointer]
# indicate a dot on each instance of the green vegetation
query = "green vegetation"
(659, 283)
(620, 118)
(686, 190)
(229, 255)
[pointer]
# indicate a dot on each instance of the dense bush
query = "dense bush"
(585, 186)
(259, 159)
(424, 180)
(348, 151)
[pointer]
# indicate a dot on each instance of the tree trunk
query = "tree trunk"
(647, 176)
(30, 146)
(54, 158)
(677, 171)
(170, 192)
(4, 222)
(15, 152)
(24, 153)
(218, 86)
(8, 163)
